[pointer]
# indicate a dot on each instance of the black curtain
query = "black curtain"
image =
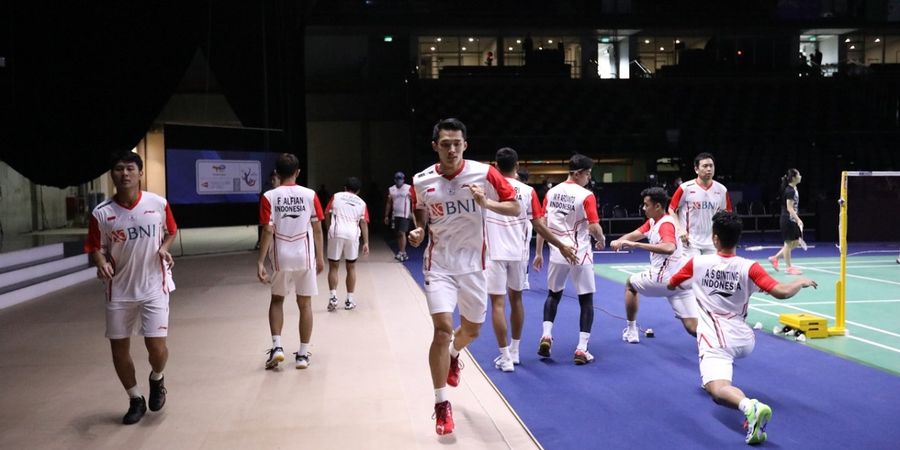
(86, 80)
(259, 65)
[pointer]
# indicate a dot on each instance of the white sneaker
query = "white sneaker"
(349, 304)
(504, 364)
(583, 357)
(332, 304)
(301, 361)
(276, 355)
(397, 256)
(404, 257)
(631, 335)
(514, 356)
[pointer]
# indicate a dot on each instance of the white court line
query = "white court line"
(879, 280)
(849, 336)
(855, 266)
(790, 306)
(847, 302)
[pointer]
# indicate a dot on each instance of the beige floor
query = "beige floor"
(367, 387)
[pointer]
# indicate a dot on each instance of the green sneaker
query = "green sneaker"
(757, 418)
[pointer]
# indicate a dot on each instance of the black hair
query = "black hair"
(448, 124)
(580, 162)
(657, 195)
(728, 227)
(128, 157)
(523, 175)
(786, 179)
(703, 156)
(353, 185)
(286, 165)
(506, 159)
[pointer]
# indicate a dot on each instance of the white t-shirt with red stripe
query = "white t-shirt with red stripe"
(130, 238)
(696, 207)
(400, 200)
(569, 209)
(723, 285)
(290, 210)
(509, 237)
(456, 234)
(346, 210)
(656, 231)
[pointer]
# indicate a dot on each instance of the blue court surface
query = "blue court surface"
(648, 395)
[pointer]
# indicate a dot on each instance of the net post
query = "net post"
(839, 328)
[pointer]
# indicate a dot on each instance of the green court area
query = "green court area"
(872, 309)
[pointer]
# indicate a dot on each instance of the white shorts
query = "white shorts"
(346, 248)
(682, 300)
(444, 291)
(303, 282)
(697, 250)
(582, 277)
(716, 363)
(505, 274)
(121, 317)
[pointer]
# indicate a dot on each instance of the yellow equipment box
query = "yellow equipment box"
(812, 326)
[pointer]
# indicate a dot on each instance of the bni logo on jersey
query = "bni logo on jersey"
(453, 207)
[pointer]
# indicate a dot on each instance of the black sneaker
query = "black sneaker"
(136, 409)
(157, 394)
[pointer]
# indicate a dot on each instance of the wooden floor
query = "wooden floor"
(367, 385)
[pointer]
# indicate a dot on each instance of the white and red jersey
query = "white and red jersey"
(569, 209)
(509, 237)
(130, 239)
(723, 285)
(696, 206)
(656, 231)
(346, 210)
(290, 210)
(456, 234)
(400, 200)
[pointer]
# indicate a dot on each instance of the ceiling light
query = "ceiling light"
(877, 40)
(677, 41)
(432, 48)
(646, 41)
(852, 47)
(847, 40)
(662, 49)
(510, 48)
(518, 41)
(438, 39)
(471, 39)
(549, 41)
(463, 49)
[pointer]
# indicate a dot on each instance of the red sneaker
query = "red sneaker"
(774, 262)
(453, 374)
(793, 271)
(443, 415)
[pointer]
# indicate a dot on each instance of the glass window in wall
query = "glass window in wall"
(567, 47)
(438, 52)
(514, 53)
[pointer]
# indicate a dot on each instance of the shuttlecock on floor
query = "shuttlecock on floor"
(777, 329)
(758, 326)
(801, 337)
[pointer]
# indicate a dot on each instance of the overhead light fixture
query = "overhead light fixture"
(646, 41)
(847, 40)
(439, 39)
(463, 49)
(388, 39)
(510, 48)
(662, 49)
(677, 41)
(471, 39)
(549, 41)
(518, 41)
(432, 48)
(877, 40)
(852, 47)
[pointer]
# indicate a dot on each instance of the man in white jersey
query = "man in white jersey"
(398, 213)
(665, 258)
(509, 242)
(571, 214)
(347, 218)
(451, 197)
(723, 284)
(693, 205)
(128, 240)
(292, 216)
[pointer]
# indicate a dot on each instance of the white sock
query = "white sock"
(441, 395)
(504, 352)
(583, 340)
(155, 376)
(276, 341)
(350, 296)
(454, 353)
(548, 328)
(514, 346)
(744, 405)
(332, 292)
(631, 323)
(134, 392)
(304, 349)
